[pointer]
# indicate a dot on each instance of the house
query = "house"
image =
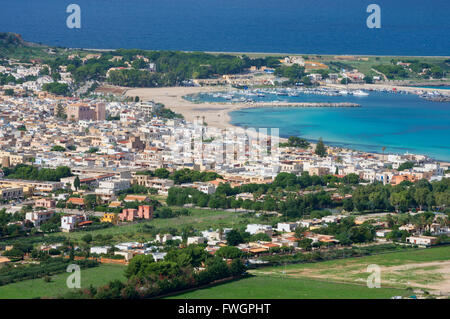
(158, 256)
(163, 238)
(258, 228)
(145, 212)
(421, 240)
(397, 179)
(127, 255)
(11, 193)
(4, 261)
(437, 229)
(330, 219)
(45, 202)
(196, 240)
(130, 214)
(321, 238)
(409, 228)
(136, 198)
(70, 222)
(75, 201)
(100, 250)
(382, 232)
(286, 227)
(38, 218)
(106, 189)
(128, 246)
(109, 218)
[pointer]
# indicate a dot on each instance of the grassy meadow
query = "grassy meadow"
(35, 288)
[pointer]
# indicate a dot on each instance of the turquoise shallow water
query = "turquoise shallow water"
(400, 122)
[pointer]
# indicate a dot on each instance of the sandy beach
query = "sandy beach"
(215, 114)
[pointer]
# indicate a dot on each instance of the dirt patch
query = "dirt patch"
(431, 276)
(110, 89)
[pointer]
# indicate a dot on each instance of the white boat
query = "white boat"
(360, 93)
(343, 92)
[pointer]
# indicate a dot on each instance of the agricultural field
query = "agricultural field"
(199, 219)
(428, 269)
(270, 287)
(401, 272)
(35, 288)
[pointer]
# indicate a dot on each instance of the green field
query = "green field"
(427, 269)
(35, 288)
(266, 287)
(420, 268)
(199, 219)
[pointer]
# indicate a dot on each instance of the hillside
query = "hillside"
(13, 46)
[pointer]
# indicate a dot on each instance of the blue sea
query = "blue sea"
(408, 27)
(400, 122)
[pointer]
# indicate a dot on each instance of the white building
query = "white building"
(111, 187)
(196, 240)
(38, 218)
(69, 222)
(286, 227)
(100, 250)
(383, 232)
(158, 256)
(258, 228)
(421, 240)
(163, 238)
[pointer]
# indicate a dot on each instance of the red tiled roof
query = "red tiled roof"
(75, 200)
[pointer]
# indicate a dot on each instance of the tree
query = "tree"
(305, 243)
(229, 252)
(87, 238)
(368, 79)
(294, 141)
(90, 201)
(234, 238)
(260, 237)
(320, 148)
(237, 268)
(76, 183)
(50, 227)
(56, 88)
(162, 173)
(300, 232)
(405, 165)
(60, 112)
(57, 148)
(138, 264)
(347, 204)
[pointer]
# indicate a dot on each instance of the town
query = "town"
(103, 178)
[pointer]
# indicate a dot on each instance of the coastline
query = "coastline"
(216, 114)
(254, 53)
